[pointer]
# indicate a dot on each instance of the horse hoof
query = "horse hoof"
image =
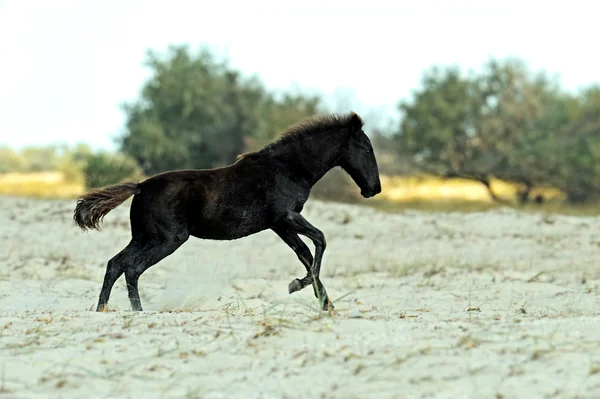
(327, 305)
(294, 286)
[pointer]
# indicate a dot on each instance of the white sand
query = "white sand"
(490, 305)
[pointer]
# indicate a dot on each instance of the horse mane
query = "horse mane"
(307, 127)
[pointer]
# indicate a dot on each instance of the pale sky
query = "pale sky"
(67, 65)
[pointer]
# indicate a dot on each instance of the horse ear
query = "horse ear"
(356, 122)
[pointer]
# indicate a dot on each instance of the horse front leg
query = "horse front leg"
(295, 224)
(303, 253)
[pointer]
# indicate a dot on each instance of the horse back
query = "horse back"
(224, 203)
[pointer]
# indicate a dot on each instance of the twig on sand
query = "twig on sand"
(535, 278)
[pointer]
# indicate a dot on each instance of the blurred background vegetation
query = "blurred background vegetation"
(501, 135)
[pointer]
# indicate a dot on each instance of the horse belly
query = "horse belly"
(227, 228)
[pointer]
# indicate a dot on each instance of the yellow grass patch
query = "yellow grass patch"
(50, 184)
(423, 189)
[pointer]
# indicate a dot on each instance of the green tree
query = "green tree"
(41, 158)
(196, 111)
(11, 161)
(504, 122)
(437, 125)
(276, 115)
(573, 156)
(102, 169)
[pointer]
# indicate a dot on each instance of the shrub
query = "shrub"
(102, 169)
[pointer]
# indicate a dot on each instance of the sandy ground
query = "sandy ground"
(498, 304)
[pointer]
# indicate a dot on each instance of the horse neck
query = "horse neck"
(314, 156)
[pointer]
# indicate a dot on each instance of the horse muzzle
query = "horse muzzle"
(371, 192)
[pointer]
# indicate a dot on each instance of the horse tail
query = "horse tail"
(96, 203)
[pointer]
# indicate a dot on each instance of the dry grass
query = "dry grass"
(431, 189)
(436, 194)
(50, 184)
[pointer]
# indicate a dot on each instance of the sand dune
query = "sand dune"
(498, 304)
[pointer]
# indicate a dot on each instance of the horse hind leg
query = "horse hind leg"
(148, 255)
(114, 270)
(133, 260)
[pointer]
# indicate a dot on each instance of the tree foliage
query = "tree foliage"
(102, 169)
(505, 122)
(196, 111)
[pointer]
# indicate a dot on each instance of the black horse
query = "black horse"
(262, 190)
